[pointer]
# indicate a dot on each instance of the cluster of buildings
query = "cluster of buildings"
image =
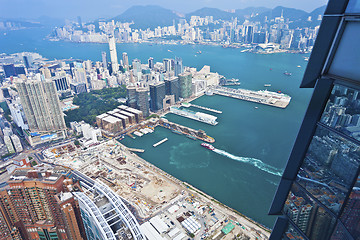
(277, 32)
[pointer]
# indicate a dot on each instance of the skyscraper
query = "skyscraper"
(178, 66)
(104, 59)
(151, 63)
(185, 83)
(113, 54)
(157, 95)
(136, 64)
(167, 64)
(38, 205)
(142, 100)
(42, 110)
(172, 87)
(125, 60)
(318, 195)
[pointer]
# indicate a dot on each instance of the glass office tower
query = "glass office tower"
(319, 193)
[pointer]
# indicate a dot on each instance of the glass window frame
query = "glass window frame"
(334, 48)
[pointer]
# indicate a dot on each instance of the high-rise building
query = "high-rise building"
(178, 66)
(9, 70)
(61, 82)
(113, 55)
(42, 110)
(185, 84)
(104, 59)
(151, 63)
(38, 205)
(142, 100)
(131, 96)
(167, 64)
(157, 95)
(136, 64)
(172, 87)
(318, 195)
(125, 60)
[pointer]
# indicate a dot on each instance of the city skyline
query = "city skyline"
(13, 9)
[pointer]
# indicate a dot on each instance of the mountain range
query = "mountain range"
(152, 16)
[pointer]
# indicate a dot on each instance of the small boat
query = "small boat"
(287, 73)
(169, 50)
(267, 85)
(298, 66)
(199, 52)
(208, 146)
(256, 107)
(270, 69)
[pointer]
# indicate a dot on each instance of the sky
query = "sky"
(93, 9)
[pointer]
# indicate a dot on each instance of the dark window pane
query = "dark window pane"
(340, 233)
(353, 6)
(329, 168)
(312, 219)
(291, 233)
(346, 61)
(351, 214)
(342, 111)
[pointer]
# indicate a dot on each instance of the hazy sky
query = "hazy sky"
(92, 9)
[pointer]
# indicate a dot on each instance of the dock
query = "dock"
(274, 99)
(136, 150)
(160, 142)
(198, 116)
(201, 107)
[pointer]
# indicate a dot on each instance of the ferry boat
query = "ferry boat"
(191, 137)
(208, 146)
(267, 85)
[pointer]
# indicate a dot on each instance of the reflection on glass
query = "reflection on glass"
(329, 168)
(351, 214)
(342, 111)
(311, 219)
(346, 61)
(353, 6)
(340, 233)
(292, 233)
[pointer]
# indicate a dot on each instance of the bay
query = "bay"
(253, 143)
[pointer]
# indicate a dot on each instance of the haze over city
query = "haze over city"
(91, 9)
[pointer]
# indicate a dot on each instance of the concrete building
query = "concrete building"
(125, 60)
(16, 143)
(178, 68)
(17, 113)
(185, 84)
(42, 110)
(142, 100)
(9, 145)
(39, 205)
(138, 114)
(78, 88)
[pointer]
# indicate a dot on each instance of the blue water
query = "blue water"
(252, 144)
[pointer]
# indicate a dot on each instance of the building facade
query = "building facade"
(157, 95)
(113, 55)
(185, 84)
(42, 110)
(319, 193)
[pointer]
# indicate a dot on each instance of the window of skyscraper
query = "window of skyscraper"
(353, 6)
(346, 61)
(310, 217)
(342, 111)
(329, 168)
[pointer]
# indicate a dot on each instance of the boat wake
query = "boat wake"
(253, 161)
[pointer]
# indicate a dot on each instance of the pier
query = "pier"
(263, 96)
(201, 107)
(136, 150)
(160, 142)
(198, 116)
(179, 129)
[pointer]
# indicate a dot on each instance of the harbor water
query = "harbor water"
(253, 141)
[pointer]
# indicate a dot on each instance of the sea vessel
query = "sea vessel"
(208, 146)
(287, 73)
(267, 85)
(199, 52)
(191, 137)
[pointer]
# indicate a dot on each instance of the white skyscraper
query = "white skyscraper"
(113, 54)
